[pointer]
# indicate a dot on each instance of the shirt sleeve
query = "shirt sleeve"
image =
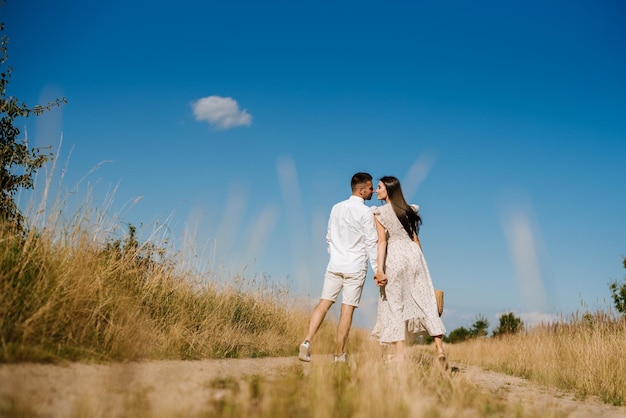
(371, 238)
(330, 221)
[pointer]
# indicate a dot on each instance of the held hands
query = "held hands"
(380, 279)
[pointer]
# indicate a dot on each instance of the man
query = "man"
(352, 240)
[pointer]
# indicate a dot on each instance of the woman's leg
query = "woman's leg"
(439, 344)
(441, 355)
(399, 350)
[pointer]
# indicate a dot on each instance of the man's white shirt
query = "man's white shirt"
(351, 237)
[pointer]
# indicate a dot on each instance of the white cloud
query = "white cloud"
(416, 175)
(526, 251)
(221, 112)
(301, 250)
(522, 245)
(259, 233)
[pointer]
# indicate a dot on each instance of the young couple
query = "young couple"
(388, 237)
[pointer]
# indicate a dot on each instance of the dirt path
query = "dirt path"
(76, 389)
(518, 389)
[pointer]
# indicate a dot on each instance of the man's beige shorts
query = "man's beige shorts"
(351, 283)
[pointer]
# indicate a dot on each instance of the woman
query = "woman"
(407, 302)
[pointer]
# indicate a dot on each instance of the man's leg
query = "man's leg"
(343, 329)
(317, 317)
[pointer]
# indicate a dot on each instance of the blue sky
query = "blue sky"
(239, 124)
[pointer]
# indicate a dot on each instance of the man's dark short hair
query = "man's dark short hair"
(360, 178)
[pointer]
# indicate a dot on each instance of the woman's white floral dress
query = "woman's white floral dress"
(407, 303)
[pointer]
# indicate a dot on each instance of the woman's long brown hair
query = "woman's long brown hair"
(410, 220)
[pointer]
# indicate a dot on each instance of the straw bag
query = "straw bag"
(439, 297)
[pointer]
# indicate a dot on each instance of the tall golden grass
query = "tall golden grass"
(582, 353)
(73, 292)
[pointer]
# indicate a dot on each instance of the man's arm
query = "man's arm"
(371, 240)
(328, 229)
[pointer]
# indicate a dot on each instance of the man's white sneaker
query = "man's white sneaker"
(340, 359)
(305, 351)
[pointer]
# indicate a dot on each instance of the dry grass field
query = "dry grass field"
(582, 354)
(92, 325)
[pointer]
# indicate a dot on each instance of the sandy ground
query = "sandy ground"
(518, 389)
(183, 386)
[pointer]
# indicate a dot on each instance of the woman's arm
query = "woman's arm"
(379, 276)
